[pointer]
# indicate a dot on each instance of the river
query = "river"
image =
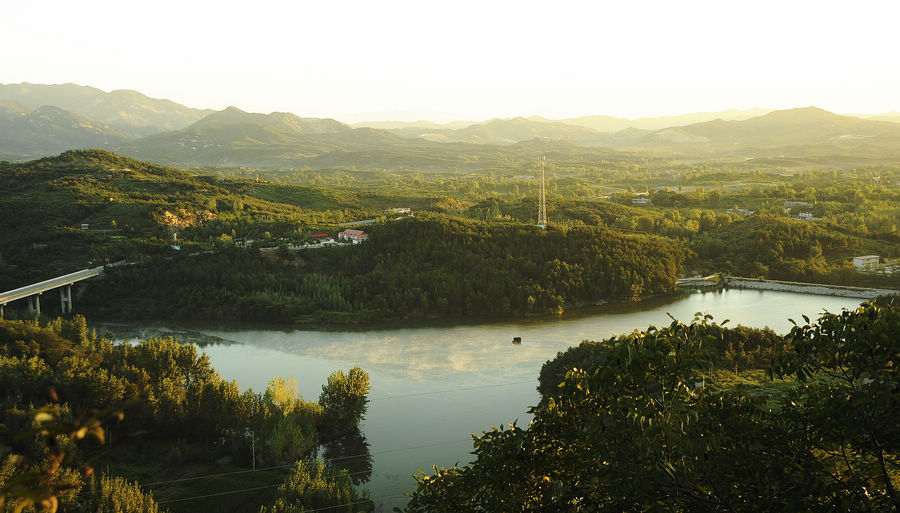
(434, 386)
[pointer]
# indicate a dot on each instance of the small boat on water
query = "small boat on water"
(517, 340)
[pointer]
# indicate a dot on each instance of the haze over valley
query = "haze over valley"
(43, 120)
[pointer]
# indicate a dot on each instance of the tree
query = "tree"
(312, 486)
(47, 483)
(344, 401)
(116, 495)
(849, 402)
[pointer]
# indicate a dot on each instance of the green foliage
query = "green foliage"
(42, 477)
(116, 495)
(847, 364)
(171, 394)
(446, 266)
(314, 486)
(633, 429)
(49, 199)
(737, 349)
(290, 427)
(420, 267)
(344, 400)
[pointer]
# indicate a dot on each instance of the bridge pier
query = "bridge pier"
(34, 304)
(65, 299)
(33, 292)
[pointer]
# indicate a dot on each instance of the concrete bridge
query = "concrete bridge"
(33, 292)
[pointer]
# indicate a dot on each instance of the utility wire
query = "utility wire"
(331, 460)
(373, 499)
(276, 467)
(220, 493)
(255, 488)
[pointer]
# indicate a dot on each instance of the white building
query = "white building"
(641, 201)
(865, 262)
(354, 236)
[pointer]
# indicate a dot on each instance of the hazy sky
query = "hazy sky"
(388, 59)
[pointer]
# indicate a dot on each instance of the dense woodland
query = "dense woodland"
(423, 267)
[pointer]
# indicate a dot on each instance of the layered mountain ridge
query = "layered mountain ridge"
(164, 132)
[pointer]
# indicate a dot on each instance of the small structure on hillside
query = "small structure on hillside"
(641, 201)
(866, 262)
(353, 236)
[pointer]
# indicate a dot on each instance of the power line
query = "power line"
(359, 502)
(257, 488)
(145, 485)
(330, 460)
(220, 493)
(400, 396)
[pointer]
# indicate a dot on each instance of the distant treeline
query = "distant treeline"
(431, 267)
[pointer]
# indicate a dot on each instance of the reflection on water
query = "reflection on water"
(433, 386)
(351, 453)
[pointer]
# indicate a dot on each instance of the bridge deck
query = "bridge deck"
(52, 283)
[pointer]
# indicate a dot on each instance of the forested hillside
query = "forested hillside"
(471, 249)
(423, 267)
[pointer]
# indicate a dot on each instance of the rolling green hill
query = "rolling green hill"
(131, 209)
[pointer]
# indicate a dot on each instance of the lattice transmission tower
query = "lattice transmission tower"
(542, 202)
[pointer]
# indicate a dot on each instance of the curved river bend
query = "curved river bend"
(434, 386)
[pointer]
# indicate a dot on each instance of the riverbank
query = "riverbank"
(736, 282)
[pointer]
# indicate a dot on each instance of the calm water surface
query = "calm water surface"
(434, 386)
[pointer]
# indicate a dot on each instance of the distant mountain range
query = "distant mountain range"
(127, 111)
(613, 124)
(41, 120)
(892, 116)
(808, 130)
(390, 125)
(507, 131)
(33, 132)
